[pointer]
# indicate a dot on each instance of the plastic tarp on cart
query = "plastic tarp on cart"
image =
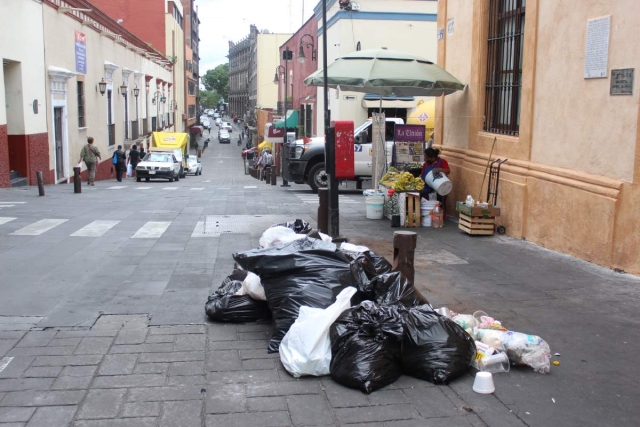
(170, 140)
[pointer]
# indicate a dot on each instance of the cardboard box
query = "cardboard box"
(477, 211)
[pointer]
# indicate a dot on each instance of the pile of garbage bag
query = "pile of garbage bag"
(342, 311)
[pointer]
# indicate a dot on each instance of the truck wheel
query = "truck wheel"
(178, 177)
(318, 177)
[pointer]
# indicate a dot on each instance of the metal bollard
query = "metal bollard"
(404, 250)
(323, 210)
(273, 176)
(40, 184)
(77, 181)
(267, 176)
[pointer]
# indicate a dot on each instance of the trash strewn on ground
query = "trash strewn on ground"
(343, 311)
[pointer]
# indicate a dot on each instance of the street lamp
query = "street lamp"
(123, 89)
(158, 97)
(136, 91)
(102, 87)
(301, 56)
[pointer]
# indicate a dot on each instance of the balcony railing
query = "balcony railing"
(135, 134)
(112, 134)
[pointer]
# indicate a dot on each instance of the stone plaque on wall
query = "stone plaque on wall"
(622, 81)
(596, 58)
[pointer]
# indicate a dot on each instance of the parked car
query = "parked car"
(224, 137)
(218, 121)
(226, 126)
(194, 165)
(216, 115)
(163, 165)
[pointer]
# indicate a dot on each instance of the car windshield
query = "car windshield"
(158, 157)
(192, 160)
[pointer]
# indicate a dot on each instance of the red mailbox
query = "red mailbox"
(345, 163)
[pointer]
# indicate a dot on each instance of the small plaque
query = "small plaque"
(622, 81)
(440, 33)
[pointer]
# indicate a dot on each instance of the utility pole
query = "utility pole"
(287, 55)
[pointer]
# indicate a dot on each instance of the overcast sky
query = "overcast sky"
(224, 20)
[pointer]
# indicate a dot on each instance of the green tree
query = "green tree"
(209, 98)
(218, 80)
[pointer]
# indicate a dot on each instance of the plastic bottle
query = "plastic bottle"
(437, 217)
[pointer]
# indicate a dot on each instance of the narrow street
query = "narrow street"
(102, 314)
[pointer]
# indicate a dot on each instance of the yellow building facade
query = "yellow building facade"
(551, 82)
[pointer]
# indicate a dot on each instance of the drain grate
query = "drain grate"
(216, 225)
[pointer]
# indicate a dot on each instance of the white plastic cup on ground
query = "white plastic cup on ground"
(495, 364)
(483, 383)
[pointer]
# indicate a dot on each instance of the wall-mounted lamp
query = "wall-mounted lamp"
(123, 89)
(102, 87)
(279, 70)
(136, 91)
(163, 99)
(301, 56)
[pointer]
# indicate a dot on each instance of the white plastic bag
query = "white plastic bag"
(350, 247)
(522, 349)
(253, 287)
(306, 348)
(129, 170)
(278, 236)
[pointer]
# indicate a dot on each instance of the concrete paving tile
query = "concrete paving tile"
(127, 422)
(118, 364)
(242, 377)
(158, 339)
(67, 360)
(190, 343)
(460, 421)
(387, 397)
(20, 384)
(254, 419)
(17, 367)
(94, 345)
(64, 342)
(134, 380)
(266, 404)
(258, 364)
(224, 361)
(102, 404)
(179, 356)
(340, 396)
(43, 398)
(156, 394)
(185, 380)
(431, 402)
(71, 383)
(14, 415)
(227, 398)
(36, 339)
(131, 336)
(283, 388)
(60, 416)
(257, 354)
(151, 368)
(375, 414)
(78, 371)
(250, 336)
(41, 351)
(181, 414)
(140, 409)
(142, 348)
(260, 345)
(43, 372)
(310, 410)
(187, 368)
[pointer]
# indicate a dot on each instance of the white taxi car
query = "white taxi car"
(159, 164)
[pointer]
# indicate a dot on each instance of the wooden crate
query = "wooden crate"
(477, 225)
(412, 209)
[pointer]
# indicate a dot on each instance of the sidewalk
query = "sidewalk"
(152, 359)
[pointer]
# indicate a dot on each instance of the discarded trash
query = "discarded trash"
(483, 383)
(556, 363)
(306, 348)
(298, 226)
(253, 287)
(522, 349)
(444, 311)
(434, 347)
(482, 351)
(496, 364)
(466, 321)
(277, 236)
(484, 321)
(225, 306)
(365, 346)
(306, 272)
(553, 400)
(558, 354)
(393, 288)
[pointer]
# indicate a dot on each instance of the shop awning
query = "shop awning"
(291, 120)
(371, 100)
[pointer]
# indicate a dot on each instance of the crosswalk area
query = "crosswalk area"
(5, 205)
(121, 187)
(312, 199)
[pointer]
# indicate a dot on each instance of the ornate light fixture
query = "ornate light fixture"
(301, 56)
(136, 91)
(123, 89)
(102, 87)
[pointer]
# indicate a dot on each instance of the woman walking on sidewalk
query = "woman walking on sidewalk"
(120, 162)
(90, 155)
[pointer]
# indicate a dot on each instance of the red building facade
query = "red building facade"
(301, 97)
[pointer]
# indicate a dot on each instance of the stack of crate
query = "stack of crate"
(476, 220)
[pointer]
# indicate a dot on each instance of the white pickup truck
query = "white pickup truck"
(304, 163)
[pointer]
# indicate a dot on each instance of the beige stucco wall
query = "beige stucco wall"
(21, 40)
(572, 181)
(59, 52)
(268, 52)
(416, 37)
(600, 120)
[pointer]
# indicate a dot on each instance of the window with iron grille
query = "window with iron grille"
(308, 120)
(81, 118)
(192, 111)
(504, 66)
(192, 88)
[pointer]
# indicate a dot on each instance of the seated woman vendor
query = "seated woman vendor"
(433, 162)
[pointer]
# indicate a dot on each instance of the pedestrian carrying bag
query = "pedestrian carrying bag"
(115, 159)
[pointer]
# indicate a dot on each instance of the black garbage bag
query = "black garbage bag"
(365, 346)
(394, 288)
(306, 271)
(372, 263)
(225, 306)
(435, 348)
(298, 226)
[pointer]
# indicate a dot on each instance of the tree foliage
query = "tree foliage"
(218, 80)
(209, 98)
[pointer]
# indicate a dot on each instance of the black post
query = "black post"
(329, 146)
(273, 175)
(77, 182)
(40, 184)
(285, 183)
(323, 210)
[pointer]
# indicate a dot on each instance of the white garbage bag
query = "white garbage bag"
(129, 170)
(252, 286)
(306, 348)
(278, 236)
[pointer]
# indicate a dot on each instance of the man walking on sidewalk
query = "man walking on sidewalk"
(90, 155)
(120, 162)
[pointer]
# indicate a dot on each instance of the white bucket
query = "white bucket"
(441, 183)
(374, 207)
(426, 219)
